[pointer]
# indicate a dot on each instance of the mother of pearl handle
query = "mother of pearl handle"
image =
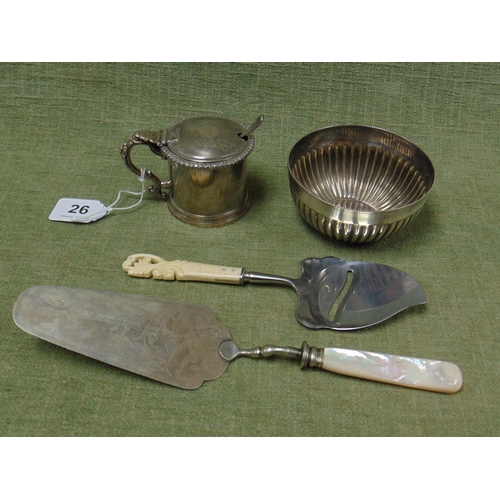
(427, 374)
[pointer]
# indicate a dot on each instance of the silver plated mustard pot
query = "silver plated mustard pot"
(208, 175)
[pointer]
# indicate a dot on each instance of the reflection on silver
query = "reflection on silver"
(208, 173)
(358, 184)
(183, 344)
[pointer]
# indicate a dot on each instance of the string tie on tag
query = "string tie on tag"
(110, 208)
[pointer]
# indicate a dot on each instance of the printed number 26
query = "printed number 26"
(79, 209)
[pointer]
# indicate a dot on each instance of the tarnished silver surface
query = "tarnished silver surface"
(174, 342)
(208, 175)
(333, 293)
(230, 351)
(183, 345)
(358, 184)
(309, 357)
(376, 292)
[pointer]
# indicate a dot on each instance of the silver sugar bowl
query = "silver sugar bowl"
(208, 175)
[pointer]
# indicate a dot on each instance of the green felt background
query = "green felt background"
(61, 129)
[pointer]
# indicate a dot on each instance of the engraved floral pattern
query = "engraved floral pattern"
(181, 345)
(174, 342)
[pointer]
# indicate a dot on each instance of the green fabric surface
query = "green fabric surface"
(62, 126)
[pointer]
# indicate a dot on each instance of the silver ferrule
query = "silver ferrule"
(242, 277)
(312, 357)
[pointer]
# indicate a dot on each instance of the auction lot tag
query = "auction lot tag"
(76, 210)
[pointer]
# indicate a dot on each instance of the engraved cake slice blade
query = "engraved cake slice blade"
(182, 344)
(174, 342)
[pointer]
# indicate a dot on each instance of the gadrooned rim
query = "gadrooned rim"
(207, 164)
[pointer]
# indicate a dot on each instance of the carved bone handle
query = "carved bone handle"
(146, 266)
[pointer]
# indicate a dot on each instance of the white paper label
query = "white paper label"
(76, 210)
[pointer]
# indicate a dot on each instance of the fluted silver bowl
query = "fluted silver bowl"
(358, 184)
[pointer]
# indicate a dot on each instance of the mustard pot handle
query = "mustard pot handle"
(153, 140)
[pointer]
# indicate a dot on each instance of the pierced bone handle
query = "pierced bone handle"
(427, 374)
(147, 266)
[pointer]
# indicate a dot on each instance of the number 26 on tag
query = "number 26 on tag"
(77, 210)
